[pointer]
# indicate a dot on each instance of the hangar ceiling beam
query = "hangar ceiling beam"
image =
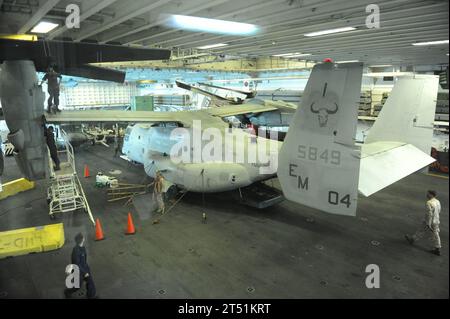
(251, 7)
(128, 10)
(300, 29)
(85, 14)
(405, 40)
(44, 8)
(271, 15)
(390, 32)
(395, 14)
(191, 9)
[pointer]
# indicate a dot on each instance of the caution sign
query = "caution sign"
(31, 240)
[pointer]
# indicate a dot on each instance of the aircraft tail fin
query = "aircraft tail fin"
(399, 143)
(408, 114)
(319, 162)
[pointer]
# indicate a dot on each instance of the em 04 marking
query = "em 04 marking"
(302, 183)
(314, 154)
(335, 199)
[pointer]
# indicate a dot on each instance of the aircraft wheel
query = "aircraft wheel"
(172, 192)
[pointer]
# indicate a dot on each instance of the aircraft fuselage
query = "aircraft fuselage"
(230, 160)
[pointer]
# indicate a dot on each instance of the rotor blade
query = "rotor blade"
(93, 72)
(69, 55)
(249, 94)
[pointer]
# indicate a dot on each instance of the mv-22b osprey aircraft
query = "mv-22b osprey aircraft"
(318, 165)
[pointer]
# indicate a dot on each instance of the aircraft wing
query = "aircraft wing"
(248, 94)
(184, 117)
(111, 116)
(241, 109)
(284, 107)
(217, 99)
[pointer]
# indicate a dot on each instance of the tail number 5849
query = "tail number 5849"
(314, 154)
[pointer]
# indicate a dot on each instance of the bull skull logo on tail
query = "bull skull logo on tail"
(324, 110)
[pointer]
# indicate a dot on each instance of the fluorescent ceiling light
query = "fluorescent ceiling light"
(285, 54)
(291, 55)
(331, 31)
(381, 66)
(19, 37)
(44, 27)
(350, 61)
(297, 55)
(212, 25)
(430, 43)
(384, 74)
(213, 46)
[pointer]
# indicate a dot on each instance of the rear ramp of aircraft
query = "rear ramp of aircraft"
(320, 165)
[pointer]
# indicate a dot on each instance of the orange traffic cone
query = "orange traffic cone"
(86, 171)
(130, 227)
(98, 231)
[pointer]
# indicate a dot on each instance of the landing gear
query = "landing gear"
(172, 192)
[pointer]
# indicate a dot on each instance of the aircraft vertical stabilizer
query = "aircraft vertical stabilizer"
(408, 114)
(319, 162)
(399, 143)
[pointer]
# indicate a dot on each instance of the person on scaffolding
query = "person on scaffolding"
(53, 82)
(158, 192)
(50, 139)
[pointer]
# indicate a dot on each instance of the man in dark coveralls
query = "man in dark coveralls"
(79, 258)
(50, 139)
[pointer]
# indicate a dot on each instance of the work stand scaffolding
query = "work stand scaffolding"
(65, 193)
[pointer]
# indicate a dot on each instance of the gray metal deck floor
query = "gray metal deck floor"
(286, 251)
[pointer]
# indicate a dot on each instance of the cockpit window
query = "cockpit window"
(168, 124)
(127, 133)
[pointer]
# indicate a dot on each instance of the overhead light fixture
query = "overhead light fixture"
(430, 43)
(44, 27)
(330, 31)
(212, 46)
(285, 54)
(291, 55)
(19, 37)
(381, 66)
(349, 61)
(297, 55)
(212, 25)
(388, 74)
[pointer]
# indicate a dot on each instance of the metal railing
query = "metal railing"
(65, 192)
